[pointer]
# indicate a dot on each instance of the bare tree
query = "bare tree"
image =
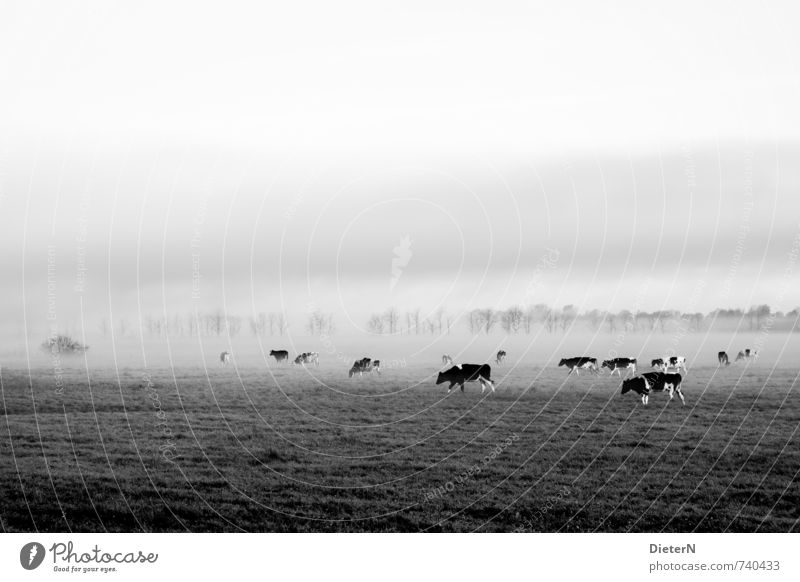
(375, 324)
(512, 319)
(391, 317)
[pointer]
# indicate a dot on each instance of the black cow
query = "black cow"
(501, 355)
(723, 359)
(467, 373)
(365, 365)
(574, 364)
(618, 364)
(279, 355)
(663, 382)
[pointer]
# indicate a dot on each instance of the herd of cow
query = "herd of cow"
(458, 374)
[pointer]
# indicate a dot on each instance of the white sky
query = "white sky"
(353, 76)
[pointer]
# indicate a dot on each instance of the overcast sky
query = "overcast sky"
(351, 157)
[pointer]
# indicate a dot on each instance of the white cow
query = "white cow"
(675, 362)
(747, 355)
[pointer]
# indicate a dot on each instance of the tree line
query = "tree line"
(525, 320)
(213, 324)
(511, 321)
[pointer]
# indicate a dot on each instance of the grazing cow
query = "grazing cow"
(577, 363)
(663, 382)
(747, 355)
(676, 363)
(501, 355)
(307, 358)
(667, 362)
(279, 355)
(467, 373)
(618, 364)
(723, 359)
(640, 385)
(447, 360)
(365, 365)
(224, 358)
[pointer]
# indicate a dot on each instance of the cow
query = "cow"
(675, 362)
(723, 359)
(501, 355)
(663, 382)
(640, 385)
(365, 365)
(575, 364)
(279, 355)
(667, 362)
(447, 360)
(307, 358)
(224, 358)
(618, 364)
(467, 373)
(747, 355)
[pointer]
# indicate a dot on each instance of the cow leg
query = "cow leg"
(489, 382)
(644, 399)
(683, 402)
(483, 384)
(462, 386)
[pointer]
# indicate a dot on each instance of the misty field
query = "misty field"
(284, 449)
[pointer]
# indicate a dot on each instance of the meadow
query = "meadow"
(287, 449)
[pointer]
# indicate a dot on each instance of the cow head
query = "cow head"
(626, 385)
(562, 362)
(440, 379)
(606, 364)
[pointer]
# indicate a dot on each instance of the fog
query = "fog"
(159, 162)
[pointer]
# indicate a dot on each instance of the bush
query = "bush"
(63, 344)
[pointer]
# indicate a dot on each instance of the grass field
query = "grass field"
(293, 450)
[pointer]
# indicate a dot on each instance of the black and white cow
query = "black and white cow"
(747, 355)
(675, 362)
(467, 373)
(365, 365)
(654, 382)
(307, 358)
(579, 363)
(501, 355)
(224, 358)
(723, 359)
(640, 385)
(618, 364)
(279, 355)
(663, 382)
